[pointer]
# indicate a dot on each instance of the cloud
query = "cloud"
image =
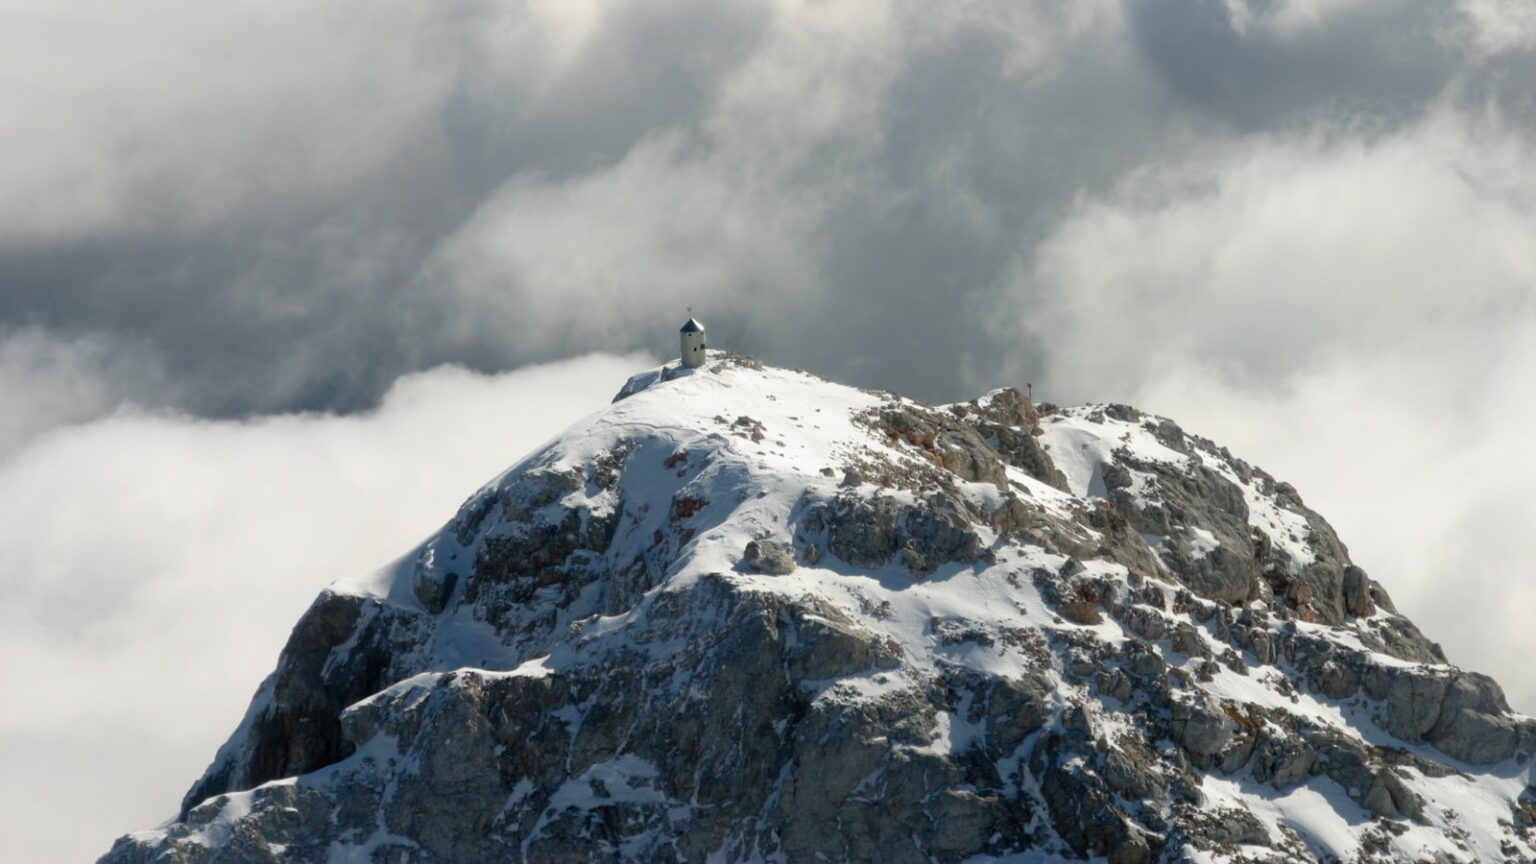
(174, 115)
(1273, 253)
(251, 190)
(1297, 226)
(496, 183)
(593, 261)
(1354, 315)
(50, 381)
(1496, 26)
(153, 564)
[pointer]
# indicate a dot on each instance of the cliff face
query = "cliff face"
(746, 614)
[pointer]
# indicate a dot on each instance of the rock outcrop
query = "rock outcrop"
(766, 556)
(749, 615)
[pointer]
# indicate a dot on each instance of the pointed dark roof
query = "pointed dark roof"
(693, 326)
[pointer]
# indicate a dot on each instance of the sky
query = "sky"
(282, 282)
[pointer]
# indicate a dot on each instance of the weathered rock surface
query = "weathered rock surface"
(868, 532)
(766, 556)
(1011, 426)
(748, 615)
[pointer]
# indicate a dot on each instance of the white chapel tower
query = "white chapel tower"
(692, 338)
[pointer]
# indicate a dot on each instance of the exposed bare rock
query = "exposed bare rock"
(767, 556)
(1155, 653)
(867, 532)
(1357, 592)
(942, 439)
(1011, 426)
(1201, 728)
(294, 725)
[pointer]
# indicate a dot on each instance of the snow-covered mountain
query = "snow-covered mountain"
(746, 614)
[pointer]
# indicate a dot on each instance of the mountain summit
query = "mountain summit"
(745, 614)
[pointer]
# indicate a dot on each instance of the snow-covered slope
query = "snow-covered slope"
(746, 614)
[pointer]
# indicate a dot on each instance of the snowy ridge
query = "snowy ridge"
(1082, 440)
(746, 614)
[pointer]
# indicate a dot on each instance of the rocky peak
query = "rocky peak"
(747, 614)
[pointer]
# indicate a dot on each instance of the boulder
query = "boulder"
(1413, 702)
(1282, 760)
(1474, 723)
(1202, 728)
(767, 556)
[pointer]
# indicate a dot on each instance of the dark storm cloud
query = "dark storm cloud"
(271, 264)
(1268, 64)
(1301, 227)
(297, 256)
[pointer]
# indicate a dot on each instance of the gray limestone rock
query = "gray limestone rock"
(1335, 680)
(433, 586)
(1461, 713)
(825, 644)
(1357, 592)
(1084, 813)
(294, 724)
(1282, 760)
(1201, 728)
(767, 556)
(941, 438)
(1413, 701)
(1129, 769)
(867, 532)
(1011, 427)
(1474, 724)
(1232, 825)
(630, 704)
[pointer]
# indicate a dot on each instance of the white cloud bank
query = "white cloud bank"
(152, 567)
